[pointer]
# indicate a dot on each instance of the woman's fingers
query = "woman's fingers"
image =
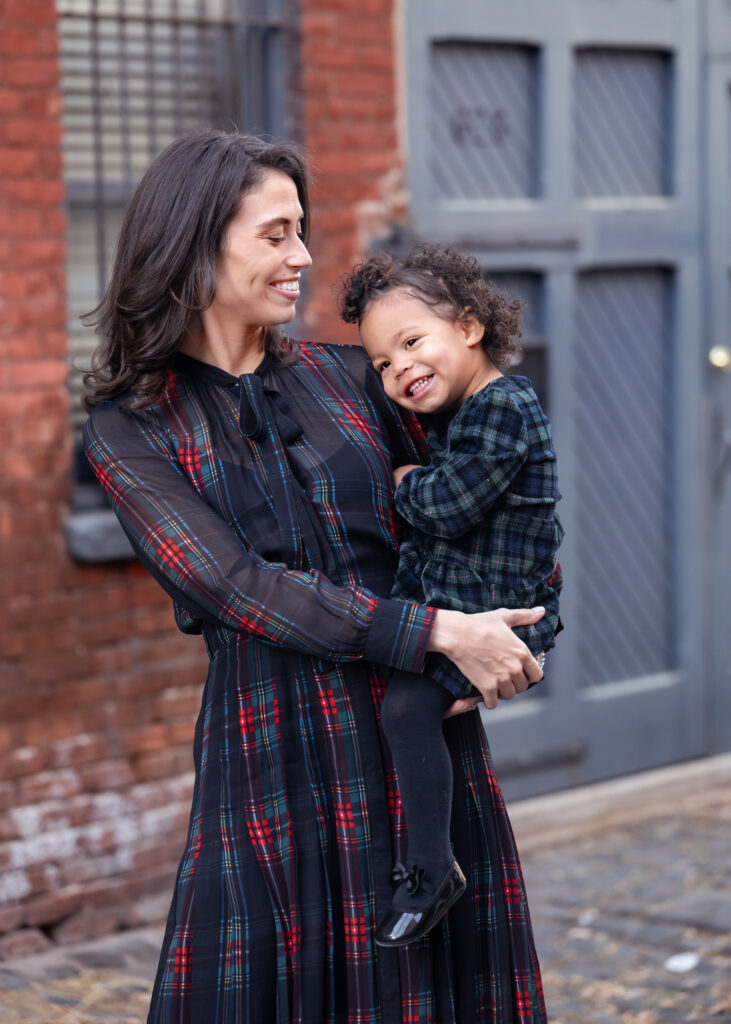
(485, 649)
(521, 616)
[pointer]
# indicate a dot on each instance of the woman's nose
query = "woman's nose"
(299, 255)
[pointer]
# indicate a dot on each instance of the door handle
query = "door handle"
(720, 358)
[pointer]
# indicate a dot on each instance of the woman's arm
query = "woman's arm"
(202, 563)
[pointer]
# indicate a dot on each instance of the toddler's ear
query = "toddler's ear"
(472, 329)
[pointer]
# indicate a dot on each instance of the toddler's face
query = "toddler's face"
(426, 363)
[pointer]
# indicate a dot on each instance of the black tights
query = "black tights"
(412, 715)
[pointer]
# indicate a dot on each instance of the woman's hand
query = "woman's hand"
(400, 472)
(485, 649)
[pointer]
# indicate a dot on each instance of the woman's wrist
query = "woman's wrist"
(444, 632)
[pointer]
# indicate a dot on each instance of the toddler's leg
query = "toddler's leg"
(412, 715)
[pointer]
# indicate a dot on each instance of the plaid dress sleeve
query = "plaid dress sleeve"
(201, 562)
(486, 446)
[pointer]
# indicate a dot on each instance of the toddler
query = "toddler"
(483, 526)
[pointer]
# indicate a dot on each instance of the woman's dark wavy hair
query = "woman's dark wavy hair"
(164, 271)
(449, 281)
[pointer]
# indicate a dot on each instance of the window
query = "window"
(134, 75)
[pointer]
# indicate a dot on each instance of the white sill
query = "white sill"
(96, 536)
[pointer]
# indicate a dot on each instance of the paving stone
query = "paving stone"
(89, 958)
(57, 1000)
(10, 981)
(59, 972)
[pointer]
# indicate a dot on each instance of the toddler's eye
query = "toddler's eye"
(409, 342)
(383, 366)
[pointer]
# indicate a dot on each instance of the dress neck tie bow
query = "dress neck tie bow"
(261, 404)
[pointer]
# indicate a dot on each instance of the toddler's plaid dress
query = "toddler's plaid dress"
(263, 505)
(484, 529)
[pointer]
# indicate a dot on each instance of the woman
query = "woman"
(254, 479)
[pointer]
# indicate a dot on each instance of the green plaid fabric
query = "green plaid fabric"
(483, 525)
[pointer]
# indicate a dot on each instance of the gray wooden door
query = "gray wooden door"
(716, 298)
(566, 145)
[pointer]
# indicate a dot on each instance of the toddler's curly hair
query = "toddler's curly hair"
(450, 281)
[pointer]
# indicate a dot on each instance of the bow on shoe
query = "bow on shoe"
(411, 877)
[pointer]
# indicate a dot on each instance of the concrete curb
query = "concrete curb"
(559, 818)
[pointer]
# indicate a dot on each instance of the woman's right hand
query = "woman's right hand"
(485, 649)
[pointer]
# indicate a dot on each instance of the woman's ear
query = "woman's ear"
(473, 330)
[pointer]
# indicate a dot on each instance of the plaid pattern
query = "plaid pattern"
(264, 507)
(484, 530)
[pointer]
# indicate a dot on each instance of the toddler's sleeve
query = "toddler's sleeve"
(487, 445)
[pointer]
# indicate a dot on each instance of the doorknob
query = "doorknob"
(720, 358)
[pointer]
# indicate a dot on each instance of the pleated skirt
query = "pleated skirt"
(295, 825)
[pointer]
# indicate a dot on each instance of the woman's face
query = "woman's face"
(259, 265)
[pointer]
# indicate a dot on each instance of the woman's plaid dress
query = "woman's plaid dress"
(263, 505)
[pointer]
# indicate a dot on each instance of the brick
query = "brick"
(19, 41)
(107, 775)
(24, 762)
(162, 764)
(10, 101)
(144, 738)
(11, 918)
(23, 943)
(26, 223)
(37, 252)
(35, 192)
(51, 785)
(40, 72)
(347, 55)
(8, 795)
(31, 404)
(78, 750)
(29, 12)
(33, 374)
(86, 925)
(8, 830)
(157, 854)
(47, 729)
(53, 908)
(45, 103)
(181, 733)
(26, 131)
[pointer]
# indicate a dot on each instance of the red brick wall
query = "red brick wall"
(98, 691)
(97, 688)
(350, 116)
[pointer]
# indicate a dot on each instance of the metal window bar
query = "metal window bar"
(134, 75)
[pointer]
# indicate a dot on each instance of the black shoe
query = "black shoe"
(404, 926)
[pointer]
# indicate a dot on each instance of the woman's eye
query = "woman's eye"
(409, 342)
(279, 238)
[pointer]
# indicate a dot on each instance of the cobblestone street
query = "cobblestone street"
(629, 888)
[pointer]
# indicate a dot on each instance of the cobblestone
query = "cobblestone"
(621, 877)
